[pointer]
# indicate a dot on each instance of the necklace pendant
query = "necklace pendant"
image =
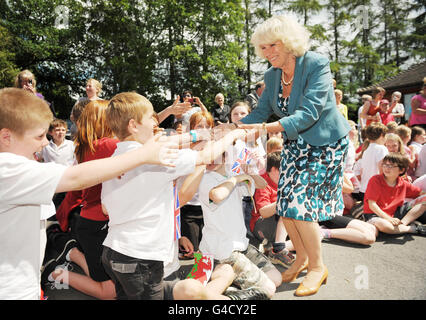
(284, 82)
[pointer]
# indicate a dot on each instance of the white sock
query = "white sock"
(67, 257)
(50, 278)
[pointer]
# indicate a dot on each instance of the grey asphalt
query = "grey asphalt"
(393, 268)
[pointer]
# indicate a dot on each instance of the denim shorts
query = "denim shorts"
(136, 279)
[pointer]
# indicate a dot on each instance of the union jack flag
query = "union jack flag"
(243, 158)
(176, 211)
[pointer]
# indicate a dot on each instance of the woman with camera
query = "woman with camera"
(26, 80)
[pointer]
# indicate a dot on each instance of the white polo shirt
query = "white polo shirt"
(63, 154)
(224, 228)
(369, 163)
(26, 191)
(141, 208)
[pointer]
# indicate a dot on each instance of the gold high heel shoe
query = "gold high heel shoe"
(302, 291)
(289, 277)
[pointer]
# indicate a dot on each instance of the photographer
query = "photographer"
(188, 97)
(26, 80)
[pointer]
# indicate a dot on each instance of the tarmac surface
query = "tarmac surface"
(393, 268)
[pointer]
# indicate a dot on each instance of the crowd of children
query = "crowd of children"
(146, 199)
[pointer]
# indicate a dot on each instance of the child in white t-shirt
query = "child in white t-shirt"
(143, 224)
(224, 232)
(27, 186)
(59, 149)
(372, 157)
(253, 153)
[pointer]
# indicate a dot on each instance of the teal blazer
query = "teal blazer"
(312, 105)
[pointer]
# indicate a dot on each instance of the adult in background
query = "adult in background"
(299, 90)
(397, 107)
(27, 81)
(221, 111)
(253, 97)
(418, 107)
(342, 107)
(370, 109)
(93, 89)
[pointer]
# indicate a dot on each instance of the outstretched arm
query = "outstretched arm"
(176, 109)
(222, 191)
(215, 149)
(190, 185)
(157, 150)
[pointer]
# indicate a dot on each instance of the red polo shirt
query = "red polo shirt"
(92, 208)
(388, 198)
(263, 197)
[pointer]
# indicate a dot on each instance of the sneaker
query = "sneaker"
(421, 229)
(46, 271)
(246, 294)
(47, 280)
(284, 258)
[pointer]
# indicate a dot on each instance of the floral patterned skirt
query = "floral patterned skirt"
(311, 178)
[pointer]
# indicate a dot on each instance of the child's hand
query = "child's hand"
(394, 221)
(160, 150)
(186, 245)
(203, 134)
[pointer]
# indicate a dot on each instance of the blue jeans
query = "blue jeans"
(135, 279)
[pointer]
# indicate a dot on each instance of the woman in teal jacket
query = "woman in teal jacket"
(299, 91)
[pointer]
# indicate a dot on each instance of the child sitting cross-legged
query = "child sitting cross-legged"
(384, 199)
(264, 223)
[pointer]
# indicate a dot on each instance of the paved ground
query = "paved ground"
(393, 268)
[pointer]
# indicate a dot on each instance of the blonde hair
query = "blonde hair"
(395, 138)
(21, 110)
(92, 125)
(24, 74)
(403, 131)
(392, 126)
(219, 95)
(122, 108)
(339, 92)
(97, 84)
(293, 35)
(273, 144)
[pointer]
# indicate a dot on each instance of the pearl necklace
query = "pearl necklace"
(283, 80)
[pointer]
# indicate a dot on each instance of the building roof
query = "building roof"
(412, 77)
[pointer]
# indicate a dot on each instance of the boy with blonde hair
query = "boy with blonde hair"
(27, 186)
(143, 219)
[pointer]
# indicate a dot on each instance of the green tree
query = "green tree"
(8, 69)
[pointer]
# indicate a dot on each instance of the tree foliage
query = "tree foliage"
(159, 48)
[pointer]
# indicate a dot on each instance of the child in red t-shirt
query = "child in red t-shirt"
(385, 196)
(264, 223)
